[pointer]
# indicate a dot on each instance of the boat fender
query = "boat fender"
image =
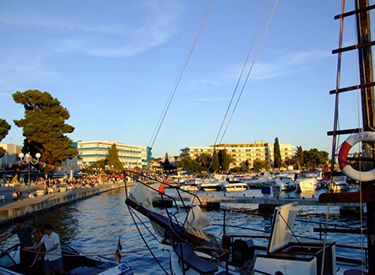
(348, 170)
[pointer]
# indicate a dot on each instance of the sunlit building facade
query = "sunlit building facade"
(243, 153)
(131, 156)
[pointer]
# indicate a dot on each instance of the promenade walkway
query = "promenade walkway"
(11, 208)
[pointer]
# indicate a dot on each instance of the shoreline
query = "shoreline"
(28, 206)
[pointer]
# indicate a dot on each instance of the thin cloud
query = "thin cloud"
(89, 37)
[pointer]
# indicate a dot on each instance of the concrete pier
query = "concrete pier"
(11, 208)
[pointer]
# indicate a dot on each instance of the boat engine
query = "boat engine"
(242, 251)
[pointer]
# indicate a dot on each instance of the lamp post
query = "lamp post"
(26, 159)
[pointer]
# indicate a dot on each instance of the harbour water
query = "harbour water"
(94, 225)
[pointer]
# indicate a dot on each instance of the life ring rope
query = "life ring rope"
(345, 167)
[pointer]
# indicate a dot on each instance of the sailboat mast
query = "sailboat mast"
(365, 64)
(367, 95)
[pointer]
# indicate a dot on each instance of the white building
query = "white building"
(131, 156)
(243, 152)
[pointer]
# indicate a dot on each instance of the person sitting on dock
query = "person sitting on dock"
(23, 232)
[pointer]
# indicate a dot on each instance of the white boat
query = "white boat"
(286, 184)
(211, 184)
(74, 263)
(191, 185)
(339, 184)
(307, 185)
(234, 186)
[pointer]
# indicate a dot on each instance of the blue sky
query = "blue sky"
(114, 65)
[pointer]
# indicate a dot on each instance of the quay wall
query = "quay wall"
(28, 206)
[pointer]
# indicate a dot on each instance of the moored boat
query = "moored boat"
(234, 186)
(74, 263)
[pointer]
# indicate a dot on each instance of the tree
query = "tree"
(276, 154)
(112, 158)
(167, 165)
(299, 158)
(313, 158)
(190, 165)
(44, 128)
(204, 160)
(4, 130)
(224, 160)
(215, 165)
(259, 165)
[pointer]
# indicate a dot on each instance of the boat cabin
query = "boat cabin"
(290, 257)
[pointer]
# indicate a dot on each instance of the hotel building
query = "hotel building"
(242, 152)
(130, 156)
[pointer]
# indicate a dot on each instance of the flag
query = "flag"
(117, 253)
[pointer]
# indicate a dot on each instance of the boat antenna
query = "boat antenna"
(177, 82)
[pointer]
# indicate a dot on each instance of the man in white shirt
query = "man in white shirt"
(52, 258)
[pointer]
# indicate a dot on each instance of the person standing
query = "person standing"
(24, 233)
(52, 257)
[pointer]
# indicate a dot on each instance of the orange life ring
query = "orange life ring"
(343, 154)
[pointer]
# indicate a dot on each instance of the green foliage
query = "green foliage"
(4, 130)
(259, 165)
(276, 154)
(112, 158)
(167, 165)
(44, 128)
(224, 160)
(204, 160)
(190, 165)
(299, 158)
(215, 164)
(314, 157)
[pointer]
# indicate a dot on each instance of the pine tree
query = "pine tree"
(44, 128)
(112, 158)
(4, 130)
(277, 154)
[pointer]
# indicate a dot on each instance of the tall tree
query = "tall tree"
(299, 157)
(215, 165)
(4, 130)
(167, 165)
(276, 154)
(112, 158)
(224, 159)
(44, 128)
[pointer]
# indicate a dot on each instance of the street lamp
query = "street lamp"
(27, 159)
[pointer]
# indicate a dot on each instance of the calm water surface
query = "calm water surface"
(94, 225)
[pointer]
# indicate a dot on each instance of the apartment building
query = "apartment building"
(131, 156)
(242, 152)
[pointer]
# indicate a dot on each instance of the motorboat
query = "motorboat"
(234, 186)
(286, 184)
(74, 263)
(191, 185)
(307, 183)
(210, 184)
(339, 184)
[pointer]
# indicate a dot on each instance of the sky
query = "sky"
(114, 65)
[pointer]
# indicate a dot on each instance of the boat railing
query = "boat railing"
(139, 177)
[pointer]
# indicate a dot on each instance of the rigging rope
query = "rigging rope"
(166, 108)
(247, 77)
